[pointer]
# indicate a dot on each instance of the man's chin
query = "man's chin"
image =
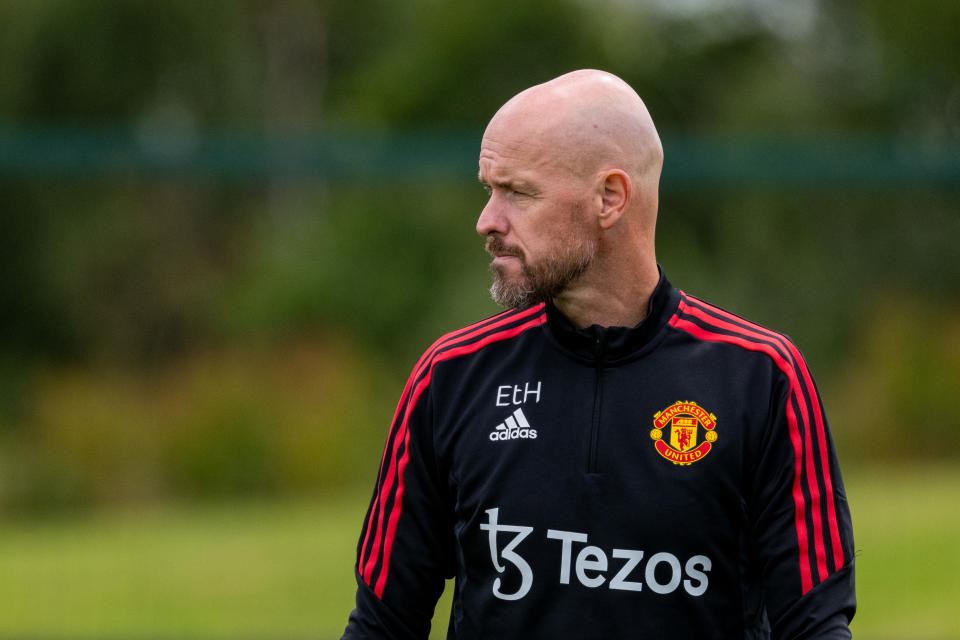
(512, 293)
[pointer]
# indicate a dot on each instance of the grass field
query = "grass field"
(285, 570)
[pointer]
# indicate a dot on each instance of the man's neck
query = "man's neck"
(610, 302)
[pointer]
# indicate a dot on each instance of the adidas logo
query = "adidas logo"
(515, 427)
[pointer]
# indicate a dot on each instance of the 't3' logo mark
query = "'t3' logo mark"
(508, 553)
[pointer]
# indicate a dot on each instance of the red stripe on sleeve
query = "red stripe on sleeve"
(790, 369)
(461, 334)
(806, 579)
(397, 467)
(814, 401)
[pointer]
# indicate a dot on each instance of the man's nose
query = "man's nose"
(492, 219)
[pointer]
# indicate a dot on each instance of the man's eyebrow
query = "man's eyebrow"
(516, 185)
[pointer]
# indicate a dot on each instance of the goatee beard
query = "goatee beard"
(511, 296)
(540, 281)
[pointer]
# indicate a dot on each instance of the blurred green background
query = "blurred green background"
(228, 229)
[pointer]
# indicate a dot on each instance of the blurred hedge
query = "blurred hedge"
(248, 421)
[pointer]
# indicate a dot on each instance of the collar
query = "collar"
(611, 345)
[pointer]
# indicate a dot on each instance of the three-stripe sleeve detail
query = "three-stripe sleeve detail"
(373, 562)
(812, 488)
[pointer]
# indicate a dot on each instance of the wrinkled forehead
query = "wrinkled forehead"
(523, 139)
(523, 145)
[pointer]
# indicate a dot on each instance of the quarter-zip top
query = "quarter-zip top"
(609, 482)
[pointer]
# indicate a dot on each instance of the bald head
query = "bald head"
(587, 121)
(573, 168)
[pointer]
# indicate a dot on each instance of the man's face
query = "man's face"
(535, 222)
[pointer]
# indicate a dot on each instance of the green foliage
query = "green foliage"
(388, 261)
(896, 397)
(93, 62)
(304, 417)
(451, 65)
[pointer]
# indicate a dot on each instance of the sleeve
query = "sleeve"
(801, 537)
(406, 545)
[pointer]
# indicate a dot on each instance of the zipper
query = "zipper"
(600, 347)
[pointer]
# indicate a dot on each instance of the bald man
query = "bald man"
(610, 457)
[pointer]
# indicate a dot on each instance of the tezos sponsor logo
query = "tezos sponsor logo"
(661, 573)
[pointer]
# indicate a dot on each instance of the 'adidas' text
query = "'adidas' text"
(514, 427)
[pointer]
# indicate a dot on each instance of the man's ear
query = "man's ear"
(615, 196)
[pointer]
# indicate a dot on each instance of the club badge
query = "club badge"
(681, 423)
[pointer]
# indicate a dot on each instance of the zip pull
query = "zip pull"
(600, 343)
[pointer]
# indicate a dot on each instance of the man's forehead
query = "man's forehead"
(512, 157)
(509, 175)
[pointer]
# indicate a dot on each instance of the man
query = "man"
(610, 457)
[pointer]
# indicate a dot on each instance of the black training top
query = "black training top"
(672, 480)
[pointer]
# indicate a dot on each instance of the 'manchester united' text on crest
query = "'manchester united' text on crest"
(683, 421)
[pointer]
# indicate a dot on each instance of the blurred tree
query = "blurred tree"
(916, 54)
(451, 65)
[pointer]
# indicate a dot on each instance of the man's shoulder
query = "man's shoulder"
(491, 330)
(710, 323)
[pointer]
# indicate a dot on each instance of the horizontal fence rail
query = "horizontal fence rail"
(690, 161)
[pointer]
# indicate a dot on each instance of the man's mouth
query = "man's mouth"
(497, 248)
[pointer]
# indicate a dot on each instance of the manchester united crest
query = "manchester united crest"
(677, 432)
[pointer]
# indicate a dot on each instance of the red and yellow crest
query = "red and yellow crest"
(683, 420)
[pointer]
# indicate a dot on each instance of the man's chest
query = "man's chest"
(656, 446)
(578, 482)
